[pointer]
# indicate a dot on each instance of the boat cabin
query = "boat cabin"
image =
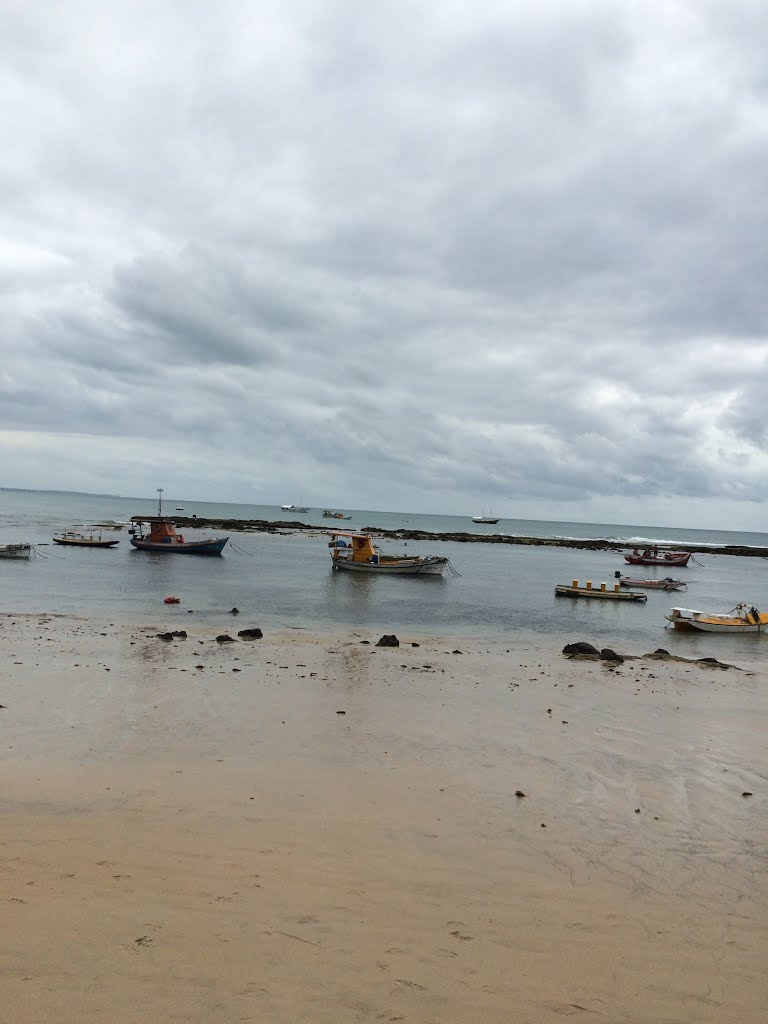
(353, 547)
(161, 530)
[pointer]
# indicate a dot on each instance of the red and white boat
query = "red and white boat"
(652, 556)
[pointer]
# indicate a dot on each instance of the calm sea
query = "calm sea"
(285, 581)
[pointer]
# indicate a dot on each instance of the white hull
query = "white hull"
(412, 567)
(686, 620)
(15, 550)
(688, 625)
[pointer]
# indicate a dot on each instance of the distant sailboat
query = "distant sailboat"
(485, 518)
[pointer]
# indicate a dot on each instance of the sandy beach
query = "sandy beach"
(308, 827)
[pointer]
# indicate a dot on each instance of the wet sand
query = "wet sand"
(197, 844)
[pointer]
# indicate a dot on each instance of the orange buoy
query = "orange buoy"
(172, 600)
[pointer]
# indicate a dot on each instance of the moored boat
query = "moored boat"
(81, 540)
(741, 619)
(164, 537)
(355, 552)
(15, 550)
(599, 593)
(294, 508)
(653, 556)
(489, 518)
(330, 514)
(667, 583)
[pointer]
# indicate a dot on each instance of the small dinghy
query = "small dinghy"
(667, 583)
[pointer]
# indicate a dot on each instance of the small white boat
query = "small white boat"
(294, 508)
(741, 619)
(15, 550)
(355, 552)
(179, 508)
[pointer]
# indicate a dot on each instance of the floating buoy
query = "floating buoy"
(172, 600)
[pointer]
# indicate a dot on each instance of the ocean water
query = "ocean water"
(285, 580)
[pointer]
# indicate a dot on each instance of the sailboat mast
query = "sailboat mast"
(159, 501)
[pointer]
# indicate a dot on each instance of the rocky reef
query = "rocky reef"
(585, 543)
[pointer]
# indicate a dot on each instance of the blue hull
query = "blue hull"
(195, 547)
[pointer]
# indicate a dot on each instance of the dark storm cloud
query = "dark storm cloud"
(409, 257)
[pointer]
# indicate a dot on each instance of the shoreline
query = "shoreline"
(578, 543)
(311, 827)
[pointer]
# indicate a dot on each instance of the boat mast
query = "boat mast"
(159, 501)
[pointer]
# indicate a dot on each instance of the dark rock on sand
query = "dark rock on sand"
(608, 655)
(234, 611)
(224, 638)
(714, 663)
(581, 647)
(165, 636)
(388, 640)
(251, 634)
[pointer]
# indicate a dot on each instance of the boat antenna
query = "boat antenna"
(159, 502)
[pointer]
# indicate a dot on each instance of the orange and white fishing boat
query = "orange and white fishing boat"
(741, 619)
(355, 552)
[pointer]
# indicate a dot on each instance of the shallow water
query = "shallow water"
(286, 580)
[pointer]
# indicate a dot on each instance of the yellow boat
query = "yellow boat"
(600, 593)
(741, 619)
(82, 540)
(355, 552)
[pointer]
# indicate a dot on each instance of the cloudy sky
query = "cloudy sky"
(426, 256)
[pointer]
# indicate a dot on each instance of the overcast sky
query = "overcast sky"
(426, 256)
